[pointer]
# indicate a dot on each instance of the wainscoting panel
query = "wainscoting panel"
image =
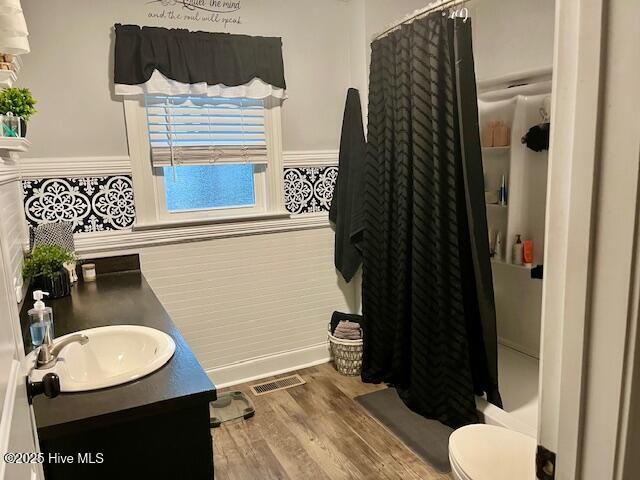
(12, 226)
(246, 298)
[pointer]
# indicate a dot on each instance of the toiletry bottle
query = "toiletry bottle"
(517, 251)
(40, 317)
(527, 254)
(498, 247)
(487, 135)
(502, 193)
(501, 134)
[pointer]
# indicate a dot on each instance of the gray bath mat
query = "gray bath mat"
(429, 439)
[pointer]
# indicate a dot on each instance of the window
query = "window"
(203, 158)
(202, 187)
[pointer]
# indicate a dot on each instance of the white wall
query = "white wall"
(70, 69)
(512, 36)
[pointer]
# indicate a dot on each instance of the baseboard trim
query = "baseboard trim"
(269, 365)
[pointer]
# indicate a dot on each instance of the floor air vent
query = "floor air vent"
(277, 384)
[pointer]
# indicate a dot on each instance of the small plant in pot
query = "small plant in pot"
(45, 268)
(20, 103)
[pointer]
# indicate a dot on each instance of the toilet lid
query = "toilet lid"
(487, 452)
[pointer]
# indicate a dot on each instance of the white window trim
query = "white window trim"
(148, 197)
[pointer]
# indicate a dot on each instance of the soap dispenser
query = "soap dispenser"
(40, 317)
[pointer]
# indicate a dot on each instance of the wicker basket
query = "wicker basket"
(347, 355)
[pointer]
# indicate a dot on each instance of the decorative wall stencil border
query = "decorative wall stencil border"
(65, 167)
(104, 214)
(309, 189)
(93, 204)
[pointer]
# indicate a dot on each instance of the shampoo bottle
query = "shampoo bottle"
(517, 251)
(40, 317)
(528, 253)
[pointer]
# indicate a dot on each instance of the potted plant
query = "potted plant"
(20, 103)
(45, 268)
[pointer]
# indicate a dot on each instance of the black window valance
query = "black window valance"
(176, 61)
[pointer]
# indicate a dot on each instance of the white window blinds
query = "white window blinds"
(204, 130)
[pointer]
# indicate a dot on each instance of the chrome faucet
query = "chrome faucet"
(48, 351)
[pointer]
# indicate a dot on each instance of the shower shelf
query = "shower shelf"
(496, 149)
(513, 265)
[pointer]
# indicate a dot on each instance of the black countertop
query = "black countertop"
(123, 298)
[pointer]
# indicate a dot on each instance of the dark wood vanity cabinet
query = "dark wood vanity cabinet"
(163, 445)
(156, 427)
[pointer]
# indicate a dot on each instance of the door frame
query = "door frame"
(18, 431)
(590, 292)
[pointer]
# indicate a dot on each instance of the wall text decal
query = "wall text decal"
(222, 12)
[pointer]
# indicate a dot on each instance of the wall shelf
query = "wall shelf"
(8, 77)
(496, 149)
(14, 144)
(517, 289)
(512, 265)
(524, 170)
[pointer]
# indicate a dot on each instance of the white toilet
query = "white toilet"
(487, 452)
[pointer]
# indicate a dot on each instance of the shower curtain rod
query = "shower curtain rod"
(433, 6)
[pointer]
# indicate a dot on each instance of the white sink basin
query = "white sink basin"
(114, 355)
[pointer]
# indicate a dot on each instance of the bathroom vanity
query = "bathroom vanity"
(154, 427)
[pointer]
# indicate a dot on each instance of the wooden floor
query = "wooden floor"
(314, 431)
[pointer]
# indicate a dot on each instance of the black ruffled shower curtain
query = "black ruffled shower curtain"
(427, 285)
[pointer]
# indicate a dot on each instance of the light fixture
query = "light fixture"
(13, 28)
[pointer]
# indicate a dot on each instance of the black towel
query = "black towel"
(337, 317)
(346, 207)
